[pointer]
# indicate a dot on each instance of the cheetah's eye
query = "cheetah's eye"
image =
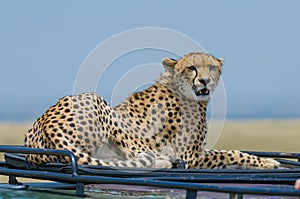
(193, 68)
(212, 68)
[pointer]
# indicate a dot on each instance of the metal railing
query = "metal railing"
(191, 180)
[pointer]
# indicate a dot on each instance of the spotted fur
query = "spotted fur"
(152, 128)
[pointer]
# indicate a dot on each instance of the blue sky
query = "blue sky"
(43, 44)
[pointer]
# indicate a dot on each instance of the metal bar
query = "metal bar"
(232, 195)
(228, 179)
(191, 194)
(163, 174)
(138, 172)
(289, 162)
(239, 196)
(262, 190)
(80, 189)
(25, 150)
(235, 196)
(12, 180)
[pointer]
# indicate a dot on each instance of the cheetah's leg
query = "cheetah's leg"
(233, 159)
(144, 160)
(162, 158)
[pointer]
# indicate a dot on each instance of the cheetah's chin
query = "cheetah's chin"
(202, 92)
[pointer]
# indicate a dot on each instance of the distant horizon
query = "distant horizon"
(38, 107)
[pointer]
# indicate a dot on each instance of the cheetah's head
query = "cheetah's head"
(195, 75)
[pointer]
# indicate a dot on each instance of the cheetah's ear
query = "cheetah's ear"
(169, 64)
(221, 60)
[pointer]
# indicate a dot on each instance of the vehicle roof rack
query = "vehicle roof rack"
(235, 182)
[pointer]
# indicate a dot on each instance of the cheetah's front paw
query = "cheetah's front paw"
(162, 163)
(261, 163)
(269, 163)
(152, 161)
(145, 160)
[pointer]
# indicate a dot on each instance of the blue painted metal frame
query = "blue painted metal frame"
(25, 150)
(189, 180)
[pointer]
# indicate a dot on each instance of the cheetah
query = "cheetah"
(151, 128)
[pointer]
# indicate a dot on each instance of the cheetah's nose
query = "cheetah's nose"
(204, 81)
